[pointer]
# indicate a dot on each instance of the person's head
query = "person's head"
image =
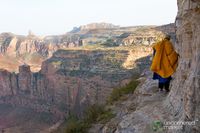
(168, 37)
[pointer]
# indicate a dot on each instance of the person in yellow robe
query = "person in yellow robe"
(164, 63)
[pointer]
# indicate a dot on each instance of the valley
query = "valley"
(57, 76)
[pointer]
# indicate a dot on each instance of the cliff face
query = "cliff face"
(184, 98)
(94, 26)
(178, 111)
(146, 35)
(70, 80)
(111, 35)
(16, 50)
(14, 45)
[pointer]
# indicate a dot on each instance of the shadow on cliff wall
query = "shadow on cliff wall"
(143, 63)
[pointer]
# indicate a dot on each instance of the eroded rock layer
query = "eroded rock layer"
(184, 98)
(71, 80)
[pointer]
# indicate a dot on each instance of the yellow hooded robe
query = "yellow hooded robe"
(165, 59)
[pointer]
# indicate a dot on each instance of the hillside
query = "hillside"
(84, 67)
(17, 50)
(70, 81)
(147, 110)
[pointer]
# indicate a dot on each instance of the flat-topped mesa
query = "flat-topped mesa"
(98, 26)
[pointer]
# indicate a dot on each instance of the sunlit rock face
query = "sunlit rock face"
(17, 45)
(16, 50)
(181, 107)
(184, 98)
(71, 80)
(98, 26)
(146, 35)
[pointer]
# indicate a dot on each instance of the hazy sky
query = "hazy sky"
(59, 16)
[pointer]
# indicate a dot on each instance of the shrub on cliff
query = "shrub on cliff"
(74, 125)
(99, 113)
(94, 113)
(117, 93)
(109, 43)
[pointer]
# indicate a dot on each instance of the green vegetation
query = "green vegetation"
(94, 113)
(56, 63)
(75, 125)
(92, 46)
(109, 43)
(121, 91)
(98, 113)
(104, 48)
(113, 60)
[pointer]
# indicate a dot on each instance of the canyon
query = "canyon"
(56, 76)
(69, 77)
(72, 79)
(17, 50)
(147, 110)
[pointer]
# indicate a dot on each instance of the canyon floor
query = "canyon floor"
(21, 119)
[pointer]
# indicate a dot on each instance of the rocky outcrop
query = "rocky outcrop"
(24, 78)
(183, 101)
(178, 112)
(94, 26)
(5, 84)
(20, 46)
(138, 40)
(146, 35)
(70, 80)
(17, 46)
(16, 50)
(111, 35)
(138, 112)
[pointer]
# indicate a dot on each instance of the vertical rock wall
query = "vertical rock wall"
(184, 98)
(71, 79)
(24, 78)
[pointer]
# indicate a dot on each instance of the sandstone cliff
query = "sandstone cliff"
(146, 35)
(70, 80)
(94, 26)
(16, 50)
(15, 45)
(149, 111)
(122, 36)
(183, 101)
